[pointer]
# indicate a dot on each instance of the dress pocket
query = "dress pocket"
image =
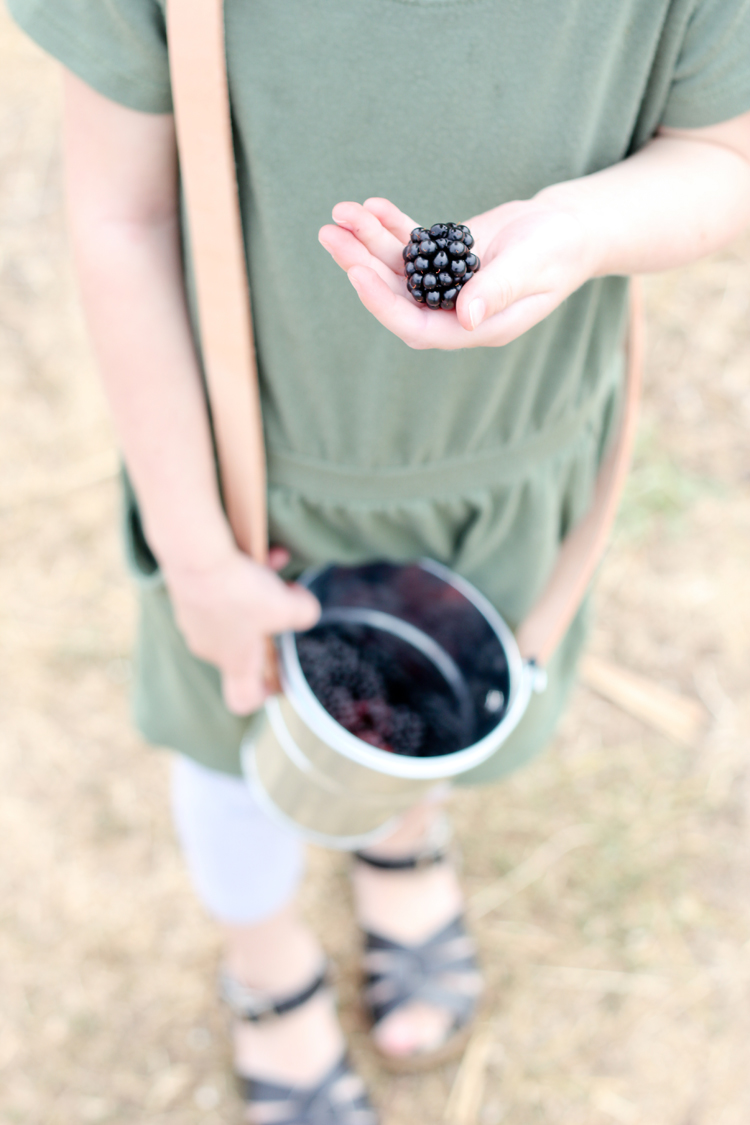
(139, 557)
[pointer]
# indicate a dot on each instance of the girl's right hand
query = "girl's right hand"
(226, 612)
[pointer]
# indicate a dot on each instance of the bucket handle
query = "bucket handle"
(197, 52)
(545, 625)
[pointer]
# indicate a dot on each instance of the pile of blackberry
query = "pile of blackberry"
(438, 262)
(355, 693)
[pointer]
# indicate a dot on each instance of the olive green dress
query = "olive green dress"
(480, 459)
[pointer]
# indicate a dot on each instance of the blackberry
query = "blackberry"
(437, 264)
(352, 687)
(444, 727)
(408, 731)
(332, 666)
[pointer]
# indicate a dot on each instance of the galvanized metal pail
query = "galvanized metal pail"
(339, 790)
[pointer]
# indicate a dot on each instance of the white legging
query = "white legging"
(244, 866)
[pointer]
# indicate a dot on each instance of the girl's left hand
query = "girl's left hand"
(533, 255)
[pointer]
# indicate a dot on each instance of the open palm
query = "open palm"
(533, 256)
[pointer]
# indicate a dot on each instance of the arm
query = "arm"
(122, 184)
(683, 195)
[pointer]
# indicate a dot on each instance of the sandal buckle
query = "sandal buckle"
(246, 1003)
(257, 1007)
(428, 859)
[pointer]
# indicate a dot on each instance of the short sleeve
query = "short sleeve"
(711, 81)
(119, 47)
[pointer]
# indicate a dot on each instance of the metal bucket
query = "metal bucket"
(446, 643)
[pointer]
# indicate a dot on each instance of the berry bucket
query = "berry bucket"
(426, 679)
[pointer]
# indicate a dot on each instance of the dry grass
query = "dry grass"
(618, 967)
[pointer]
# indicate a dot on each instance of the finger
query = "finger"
(395, 221)
(244, 691)
(287, 607)
(278, 557)
(420, 328)
(242, 683)
(514, 274)
(347, 251)
(371, 233)
(304, 608)
(522, 315)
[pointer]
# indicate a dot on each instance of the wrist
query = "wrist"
(574, 199)
(190, 548)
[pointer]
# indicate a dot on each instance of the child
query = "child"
(589, 140)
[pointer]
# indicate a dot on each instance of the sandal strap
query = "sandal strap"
(408, 863)
(339, 1099)
(437, 848)
(441, 972)
(255, 1006)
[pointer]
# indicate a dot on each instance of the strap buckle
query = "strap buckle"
(258, 1007)
(246, 1003)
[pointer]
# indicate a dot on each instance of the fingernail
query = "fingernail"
(477, 312)
(354, 283)
(325, 245)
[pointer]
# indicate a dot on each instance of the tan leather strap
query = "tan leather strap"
(197, 55)
(204, 132)
(542, 630)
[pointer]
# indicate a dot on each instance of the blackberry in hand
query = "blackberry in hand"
(438, 262)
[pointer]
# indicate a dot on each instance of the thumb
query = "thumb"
(292, 608)
(495, 288)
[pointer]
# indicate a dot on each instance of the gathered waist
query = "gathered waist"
(450, 476)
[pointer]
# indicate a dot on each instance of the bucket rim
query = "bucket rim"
(311, 712)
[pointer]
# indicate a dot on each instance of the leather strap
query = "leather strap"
(544, 627)
(203, 121)
(204, 132)
(197, 56)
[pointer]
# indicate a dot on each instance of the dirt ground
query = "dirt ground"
(618, 954)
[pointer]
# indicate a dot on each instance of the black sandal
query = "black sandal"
(441, 971)
(339, 1098)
